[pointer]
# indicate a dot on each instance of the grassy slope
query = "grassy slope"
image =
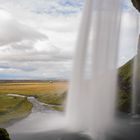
(13, 108)
(125, 87)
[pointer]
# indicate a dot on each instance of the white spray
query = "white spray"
(91, 102)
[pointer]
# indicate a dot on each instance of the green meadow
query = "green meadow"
(51, 93)
(13, 108)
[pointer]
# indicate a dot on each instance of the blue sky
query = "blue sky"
(38, 37)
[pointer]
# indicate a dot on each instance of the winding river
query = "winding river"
(40, 119)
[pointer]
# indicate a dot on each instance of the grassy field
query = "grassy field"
(13, 108)
(32, 89)
(48, 92)
(52, 93)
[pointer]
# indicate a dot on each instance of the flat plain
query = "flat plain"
(49, 92)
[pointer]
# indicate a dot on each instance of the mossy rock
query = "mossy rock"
(4, 134)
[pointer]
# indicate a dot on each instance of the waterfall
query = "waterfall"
(91, 101)
(135, 101)
(136, 83)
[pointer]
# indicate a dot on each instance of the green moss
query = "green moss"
(4, 134)
(125, 72)
(125, 87)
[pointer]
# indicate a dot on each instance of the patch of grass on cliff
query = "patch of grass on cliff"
(125, 87)
(13, 108)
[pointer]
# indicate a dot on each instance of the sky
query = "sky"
(38, 37)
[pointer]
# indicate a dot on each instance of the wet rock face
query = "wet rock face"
(4, 134)
(136, 3)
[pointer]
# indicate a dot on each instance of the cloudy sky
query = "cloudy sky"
(37, 37)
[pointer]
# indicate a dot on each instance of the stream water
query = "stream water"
(40, 119)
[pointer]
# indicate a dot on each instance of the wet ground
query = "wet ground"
(52, 135)
(126, 128)
(130, 131)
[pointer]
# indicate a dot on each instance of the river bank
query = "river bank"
(41, 118)
(16, 98)
(13, 108)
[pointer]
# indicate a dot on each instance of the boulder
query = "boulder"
(136, 3)
(4, 134)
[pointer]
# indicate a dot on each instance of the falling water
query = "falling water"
(136, 83)
(91, 101)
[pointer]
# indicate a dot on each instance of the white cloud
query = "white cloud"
(38, 44)
(28, 53)
(13, 31)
